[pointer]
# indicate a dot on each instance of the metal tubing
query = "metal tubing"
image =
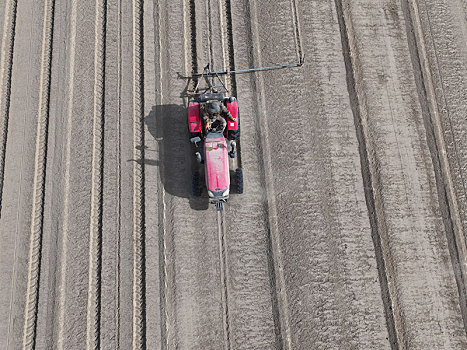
(209, 87)
(297, 64)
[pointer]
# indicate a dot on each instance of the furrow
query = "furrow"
(225, 19)
(64, 255)
(223, 14)
(190, 270)
(229, 60)
(222, 57)
(95, 230)
(139, 324)
(164, 307)
(385, 270)
(194, 51)
(6, 62)
(30, 320)
(119, 178)
(296, 29)
(224, 275)
(280, 307)
(220, 37)
(324, 240)
(208, 12)
(438, 149)
(230, 46)
(405, 205)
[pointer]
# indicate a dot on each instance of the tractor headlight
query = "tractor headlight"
(219, 194)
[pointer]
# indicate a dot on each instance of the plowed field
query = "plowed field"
(350, 234)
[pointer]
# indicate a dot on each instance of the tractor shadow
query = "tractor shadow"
(168, 125)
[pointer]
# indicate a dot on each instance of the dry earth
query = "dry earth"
(351, 233)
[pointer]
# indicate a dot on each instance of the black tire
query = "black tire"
(235, 134)
(195, 184)
(194, 134)
(239, 177)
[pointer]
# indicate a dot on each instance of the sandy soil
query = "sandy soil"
(350, 233)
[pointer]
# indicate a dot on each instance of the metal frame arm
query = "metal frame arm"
(240, 71)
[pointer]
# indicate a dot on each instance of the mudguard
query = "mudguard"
(194, 118)
(233, 109)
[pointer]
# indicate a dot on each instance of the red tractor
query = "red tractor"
(216, 143)
(216, 147)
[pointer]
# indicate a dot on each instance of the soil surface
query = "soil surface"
(351, 231)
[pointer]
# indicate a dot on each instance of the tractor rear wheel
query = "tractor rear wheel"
(239, 176)
(195, 184)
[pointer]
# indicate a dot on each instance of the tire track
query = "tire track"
(65, 244)
(392, 309)
(185, 274)
(230, 46)
(278, 290)
(161, 195)
(192, 258)
(226, 55)
(95, 247)
(296, 26)
(208, 12)
(139, 302)
(6, 63)
(280, 318)
(224, 276)
(229, 54)
(194, 51)
(438, 149)
(212, 54)
(30, 320)
(119, 177)
(166, 213)
(225, 38)
(221, 223)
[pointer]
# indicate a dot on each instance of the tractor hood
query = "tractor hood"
(216, 162)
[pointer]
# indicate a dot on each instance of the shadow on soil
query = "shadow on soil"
(168, 125)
